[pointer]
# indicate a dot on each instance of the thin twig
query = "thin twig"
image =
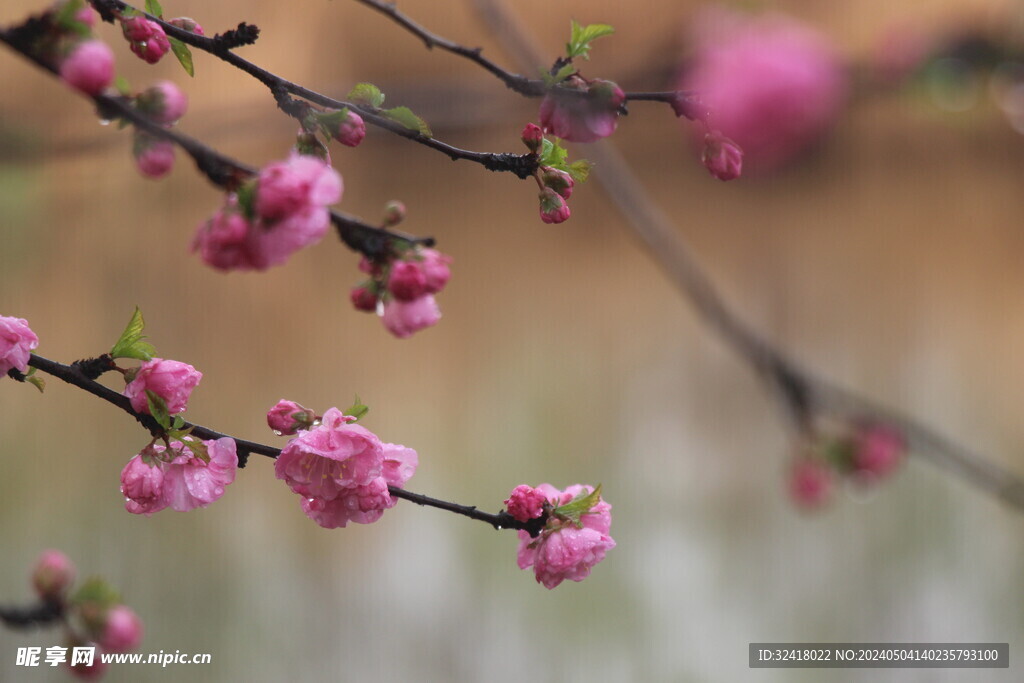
(801, 392)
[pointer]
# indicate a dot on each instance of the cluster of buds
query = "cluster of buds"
(84, 62)
(401, 288)
(555, 185)
(165, 103)
(146, 38)
(581, 110)
(862, 453)
(340, 470)
(93, 616)
(272, 216)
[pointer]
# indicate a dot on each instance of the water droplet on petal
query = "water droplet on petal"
(278, 432)
(104, 122)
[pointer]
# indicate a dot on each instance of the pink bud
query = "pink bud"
(123, 630)
(369, 267)
(403, 318)
(17, 341)
(86, 16)
(525, 503)
(722, 157)
(187, 24)
(364, 299)
(352, 131)
(164, 102)
(559, 181)
(878, 450)
(89, 67)
(153, 157)
(288, 417)
(435, 267)
(394, 213)
(171, 380)
(142, 485)
(147, 38)
(532, 137)
(223, 241)
(553, 208)
(810, 483)
(407, 281)
(52, 575)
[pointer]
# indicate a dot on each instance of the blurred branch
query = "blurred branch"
(522, 166)
(74, 375)
(529, 87)
(804, 394)
(221, 170)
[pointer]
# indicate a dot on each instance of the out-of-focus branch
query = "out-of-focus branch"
(804, 394)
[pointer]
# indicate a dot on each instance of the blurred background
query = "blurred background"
(884, 253)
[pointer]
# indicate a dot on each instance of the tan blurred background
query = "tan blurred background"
(889, 260)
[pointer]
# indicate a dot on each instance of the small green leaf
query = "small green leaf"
(579, 42)
(122, 86)
(247, 199)
(38, 382)
(553, 154)
(158, 409)
(154, 8)
(407, 118)
(357, 409)
(580, 170)
(579, 506)
(131, 344)
(98, 591)
(368, 94)
(178, 422)
(183, 54)
(198, 449)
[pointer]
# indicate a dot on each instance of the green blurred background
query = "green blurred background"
(889, 260)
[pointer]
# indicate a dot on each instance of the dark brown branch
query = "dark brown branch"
(221, 170)
(75, 375)
(802, 393)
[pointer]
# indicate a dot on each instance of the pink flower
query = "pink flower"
(291, 200)
(86, 16)
(147, 38)
(363, 299)
(810, 483)
(407, 280)
(352, 131)
(525, 503)
(559, 181)
(123, 630)
(288, 417)
(153, 157)
(403, 318)
(16, 344)
(722, 157)
(89, 68)
(223, 241)
(184, 483)
(878, 450)
(585, 117)
(171, 380)
(532, 137)
(325, 461)
(772, 84)
(52, 575)
(399, 465)
(187, 24)
(553, 208)
(436, 267)
(564, 551)
(164, 102)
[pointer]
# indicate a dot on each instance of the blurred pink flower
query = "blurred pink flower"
(407, 280)
(586, 117)
(52, 575)
(122, 631)
(16, 344)
(171, 380)
(878, 450)
(810, 483)
(722, 157)
(403, 318)
(223, 241)
(436, 267)
(154, 158)
(771, 83)
(164, 102)
(89, 67)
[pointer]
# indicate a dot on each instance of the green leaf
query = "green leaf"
(579, 506)
(247, 199)
(131, 344)
(198, 449)
(122, 86)
(407, 118)
(368, 94)
(67, 18)
(559, 76)
(38, 382)
(178, 422)
(357, 409)
(98, 591)
(553, 154)
(580, 170)
(183, 54)
(158, 409)
(579, 43)
(154, 8)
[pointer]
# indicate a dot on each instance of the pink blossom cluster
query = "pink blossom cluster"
(867, 454)
(285, 211)
(770, 83)
(402, 290)
(158, 477)
(146, 38)
(100, 621)
(564, 549)
(17, 341)
(581, 110)
(342, 471)
(555, 184)
(171, 380)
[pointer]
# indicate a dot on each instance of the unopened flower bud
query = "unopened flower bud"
(153, 157)
(533, 137)
(607, 93)
(559, 181)
(878, 450)
(394, 213)
(553, 208)
(147, 38)
(187, 24)
(164, 102)
(407, 281)
(435, 267)
(123, 630)
(288, 417)
(525, 503)
(351, 131)
(89, 67)
(363, 299)
(722, 157)
(52, 575)
(810, 483)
